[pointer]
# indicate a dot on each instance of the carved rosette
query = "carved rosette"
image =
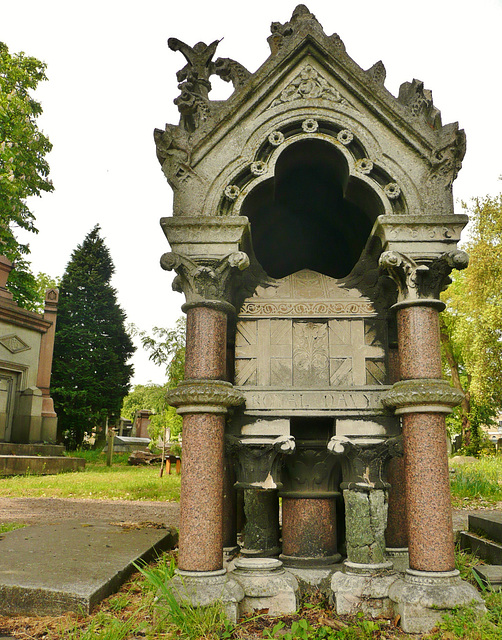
(311, 472)
(204, 396)
(364, 461)
(258, 461)
(411, 396)
(206, 281)
(420, 281)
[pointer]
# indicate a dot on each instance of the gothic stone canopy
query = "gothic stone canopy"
(392, 156)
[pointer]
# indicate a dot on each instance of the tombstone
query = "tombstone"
(312, 233)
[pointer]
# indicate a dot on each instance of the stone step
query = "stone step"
(484, 549)
(38, 465)
(490, 575)
(13, 449)
(488, 526)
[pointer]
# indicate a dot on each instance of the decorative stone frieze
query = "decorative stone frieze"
(205, 280)
(364, 460)
(258, 461)
(422, 280)
(411, 396)
(204, 396)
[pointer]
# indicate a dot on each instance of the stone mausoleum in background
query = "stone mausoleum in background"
(312, 233)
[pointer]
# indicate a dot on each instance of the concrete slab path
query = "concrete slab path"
(49, 569)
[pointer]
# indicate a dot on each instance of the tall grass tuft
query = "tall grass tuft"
(185, 620)
(479, 479)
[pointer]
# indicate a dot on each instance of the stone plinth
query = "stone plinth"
(204, 588)
(365, 589)
(423, 597)
(266, 585)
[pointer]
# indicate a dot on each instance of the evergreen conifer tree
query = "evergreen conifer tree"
(90, 375)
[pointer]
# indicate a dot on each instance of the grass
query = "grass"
(477, 483)
(5, 527)
(97, 481)
(145, 608)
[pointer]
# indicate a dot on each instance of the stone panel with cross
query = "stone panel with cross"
(308, 331)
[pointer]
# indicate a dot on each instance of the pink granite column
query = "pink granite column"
(396, 534)
(428, 499)
(201, 503)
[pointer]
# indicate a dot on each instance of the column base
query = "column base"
(399, 557)
(204, 588)
(364, 588)
(266, 585)
(422, 597)
(310, 561)
(261, 553)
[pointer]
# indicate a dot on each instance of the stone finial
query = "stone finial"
(364, 460)
(377, 73)
(422, 280)
(5, 269)
(231, 71)
(51, 299)
(302, 19)
(258, 461)
(419, 103)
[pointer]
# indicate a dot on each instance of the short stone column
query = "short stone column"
(431, 584)
(203, 399)
(365, 490)
(309, 531)
(258, 462)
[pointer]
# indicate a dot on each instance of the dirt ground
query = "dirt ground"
(53, 510)
(48, 510)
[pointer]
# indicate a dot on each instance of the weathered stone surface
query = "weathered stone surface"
(203, 588)
(421, 598)
(366, 518)
(364, 592)
(38, 465)
(266, 585)
(38, 576)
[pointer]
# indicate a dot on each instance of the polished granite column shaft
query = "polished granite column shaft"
(201, 502)
(428, 501)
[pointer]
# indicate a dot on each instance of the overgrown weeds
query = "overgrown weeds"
(476, 481)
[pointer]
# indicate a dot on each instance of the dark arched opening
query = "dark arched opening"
(302, 218)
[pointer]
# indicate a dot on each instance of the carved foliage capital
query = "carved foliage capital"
(207, 279)
(258, 461)
(422, 279)
(364, 462)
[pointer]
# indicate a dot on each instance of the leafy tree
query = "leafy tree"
(23, 168)
(90, 375)
(471, 326)
(167, 348)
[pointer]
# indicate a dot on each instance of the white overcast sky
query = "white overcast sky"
(112, 81)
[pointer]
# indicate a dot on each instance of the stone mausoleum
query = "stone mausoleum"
(312, 233)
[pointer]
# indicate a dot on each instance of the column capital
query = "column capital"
(206, 281)
(204, 396)
(258, 461)
(418, 396)
(420, 279)
(364, 460)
